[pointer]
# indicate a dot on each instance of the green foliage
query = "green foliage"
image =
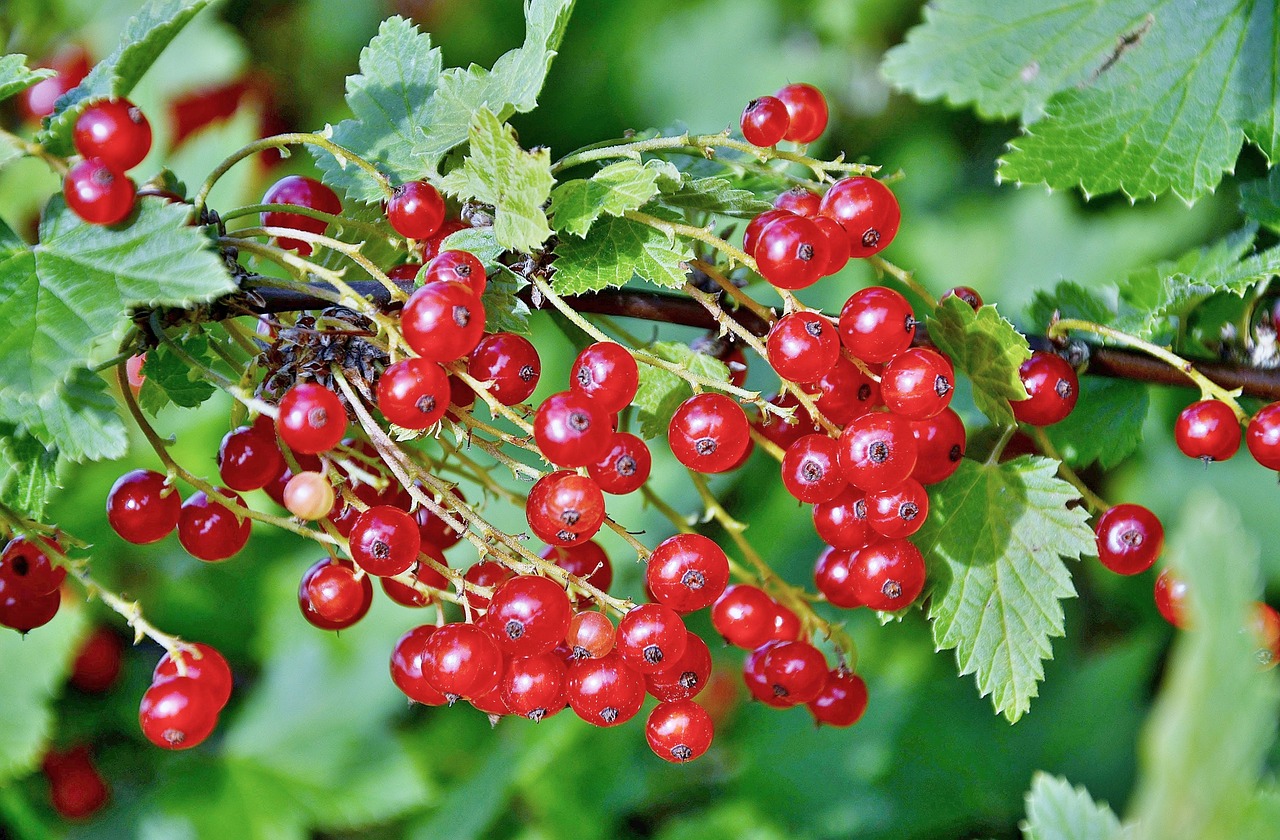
(712, 195)
(661, 391)
(986, 348)
(615, 189)
(479, 241)
(170, 380)
(994, 545)
(31, 473)
(1106, 425)
(1260, 200)
(15, 77)
(1066, 300)
(1057, 811)
(503, 310)
(617, 250)
(78, 417)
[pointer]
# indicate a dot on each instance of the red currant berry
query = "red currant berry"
(757, 683)
(415, 210)
(755, 227)
(807, 110)
(509, 364)
(178, 713)
(803, 346)
(898, 512)
(333, 595)
(1171, 597)
(876, 324)
(300, 191)
(529, 615)
(651, 637)
(311, 419)
(888, 575)
(810, 469)
(411, 596)
(443, 321)
(97, 663)
(877, 451)
(765, 121)
(791, 252)
(1263, 436)
(115, 132)
(607, 373)
(486, 574)
(842, 702)
(845, 393)
(679, 731)
(837, 248)
(842, 522)
(1265, 625)
(796, 671)
(605, 691)
(405, 273)
(778, 430)
(687, 572)
(687, 677)
(591, 635)
(430, 247)
(26, 569)
(833, 575)
(966, 294)
(1052, 390)
(462, 660)
(571, 430)
(205, 665)
(868, 212)
(407, 660)
(459, 266)
(76, 789)
(1130, 538)
(97, 193)
(534, 686)
(586, 561)
(1208, 430)
(385, 541)
(799, 200)
(917, 383)
(709, 433)
(625, 466)
(565, 508)
(941, 442)
(249, 459)
(209, 530)
(24, 613)
(786, 624)
(413, 393)
(745, 616)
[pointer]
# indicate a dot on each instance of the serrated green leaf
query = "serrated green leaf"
(15, 77)
(617, 250)
(1260, 200)
(1117, 406)
(1066, 300)
(1058, 811)
(994, 545)
(714, 195)
(78, 417)
(986, 348)
(504, 310)
(170, 379)
(480, 242)
(32, 473)
(615, 189)
(499, 172)
(76, 287)
(144, 37)
(661, 391)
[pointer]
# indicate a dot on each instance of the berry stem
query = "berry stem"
(348, 249)
(1096, 504)
(906, 278)
(742, 298)
(311, 213)
(57, 164)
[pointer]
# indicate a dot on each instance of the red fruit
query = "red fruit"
(311, 419)
(807, 110)
(333, 596)
(846, 393)
(799, 200)
(534, 686)
(27, 571)
(843, 700)
(765, 121)
(625, 466)
(529, 615)
(565, 508)
(607, 373)
(443, 321)
(115, 132)
(1208, 430)
(1171, 598)
(405, 273)
(413, 393)
(1266, 629)
(248, 459)
(791, 252)
(651, 637)
(605, 691)
(834, 577)
(709, 433)
(407, 660)
(966, 294)
(409, 596)
(796, 671)
(591, 635)
(687, 572)
(679, 731)
(205, 665)
(25, 613)
(178, 714)
(434, 530)
(803, 346)
(837, 248)
(462, 661)
(687, 677)
(780, 432)
(757, 683)
(898, 512)
(1263, 436)
(751, 234)
(940, 441)
(300, 191)
(76, 789)
(888, 575)
(430, 248)
(586, 561)
(810, 469)
(877, 451)
(745, 616)
(487, 574)
(415, 210)
(917, 383)
(460, 267)
(786, 625)
(842, 522)
(509, 364)
(1129, 539)
(868, 212)
(385, 541)
(97, 664)
(571, 430)
(1052, 390)
(876, 324)
(209, 530)
(97, 193)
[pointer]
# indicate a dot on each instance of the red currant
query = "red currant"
(941, 442)
(1052, 390)
(97, 663)
(898, 512)
(966, 294)
(803, 346)
(799, 200)
(846, 393)
(1208, 430)
(687, 677)
(1130, 538)
(791, 252)
(571, 430)
(687, 572)
(709, 433)
(72, 64)
(745, 616)
(300, 191)
(205, 665)
(443, 321)
(565, 508)
(248, 459)
(534, 686)
(115, 132)
(24, 613)
(26, 569)
(765, 121)
(427, 575)
(842, 522)
(586, 561)
(888, 575)
(796, 671)
(529, 615)
(431, 246)
(404, 273)
(413, 393)
(877, 324)
(76, 789)
(333, 595)
(434, 530)
(807, 110)
(843, 700)
(311, 419)
(833, 575)
(178, 713)
(210, 531)
(917, 383)
(605, 691)
(625, 466)
(751, 234)
(462, 660)
(407, 659)
(877, 451)
(1171, 597)
(868, 212)
(810, 469)
(459, 266)
(1263, 436)
(509, 364)
(651, 637)
(757, 683)
(1265, 625)
(384, 541)
(488, 574)
(591, 635)
(607, 373)
(97, 193)
(679, 731)
(837, 248)
(415, 210)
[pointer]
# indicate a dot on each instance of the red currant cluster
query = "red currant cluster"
(188, 692)
(30, 583)
(112, 136)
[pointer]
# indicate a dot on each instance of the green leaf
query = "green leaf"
(78, 417)
(1067, 300)
(1117, 406)
(408, 112)
(145, 36)
(480, 242)
(994, 544)
(661, 391)
(15, 77)
(713, 195)
(517, 183)
(617, 250)
(504, 311)
(1260, 200)
(1057, 811)
(988, 349)
(615, 189)
(169, 379)
(32, 473)
(76, 287)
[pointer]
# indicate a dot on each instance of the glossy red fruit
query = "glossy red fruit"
(404, 273)
(508, 364)
(898, 512)
(651, 637)
(491, 702)
(385, 541)
(607, 373)
(311, 419)
(791, 252)
(462, 661)
(415, 210)
(765, 121)
(786, 624)
(917, 383)
(459, 266)
(755, 679)
(565, 508)
(842, 521)
(1208, 430)
(97, 663)
(413, 393)
(751, 234)
(877, 451)
(778, 430)
(799, 200)
(333, 596)
(209, 530)
(76, 788)
(625, 466)
(178, 714)
(796, 671)
(1265, 626)
(27, 570)
(205, 665)
(529, 615)
(837, 244)
(1052, 390)
(687, 677)
(966, 294)
(803, 346)
(488, 574)
(1129, 539)
(605, 691)
(807, 110)
(833, 575)
(888, 575)
(300, 191)
(248, 459)
(867, 210)
(591, 635)
(443, 321)
(407, 660)
(587, 561)
(1171, 598)
(25, 613)
(430, 248)
(846, 393)
(679, 731)
(571, 430)
(745, 616)
(811, 470)
(113, 131)
(687, 572)
(876, 324)
(940, 442)
(842, 701)
(709, 433)
(410, 596)
(534, 686)
(97, 193)
(1263, 436)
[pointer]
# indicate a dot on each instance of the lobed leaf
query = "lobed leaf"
(714, 195)
(78, 417)
(32, 475)
(504, 310)
(615, 189)
(987, 349)
(617, 250)
(1058, 811)
(1117, 406)
(169, 379)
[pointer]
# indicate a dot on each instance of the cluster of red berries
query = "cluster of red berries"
(797, 113)
(1209, 430)
(112, 136)
(30, 583)
(187, 694)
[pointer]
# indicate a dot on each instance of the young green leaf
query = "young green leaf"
(617, 250)
(661, 391)
(1058, 811)
(985, 347)
(994, 544)
(713, 195)
(517, 183)
(15, 77)
(1116, 405)
(169, 379)
(615, 189)
(1066, 300)
(78, 417)
(504, 311)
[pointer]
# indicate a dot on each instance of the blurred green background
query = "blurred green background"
(317, 741)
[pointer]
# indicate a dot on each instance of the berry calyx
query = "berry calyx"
(115, 132)
(1052, 390)
(687, 572)
(888, 575)
(679, 731)
(311, 419)
(1129, 539)
(765, 121)
(415, 210)
(571, 430)
(1207, 430)
(651, 637)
